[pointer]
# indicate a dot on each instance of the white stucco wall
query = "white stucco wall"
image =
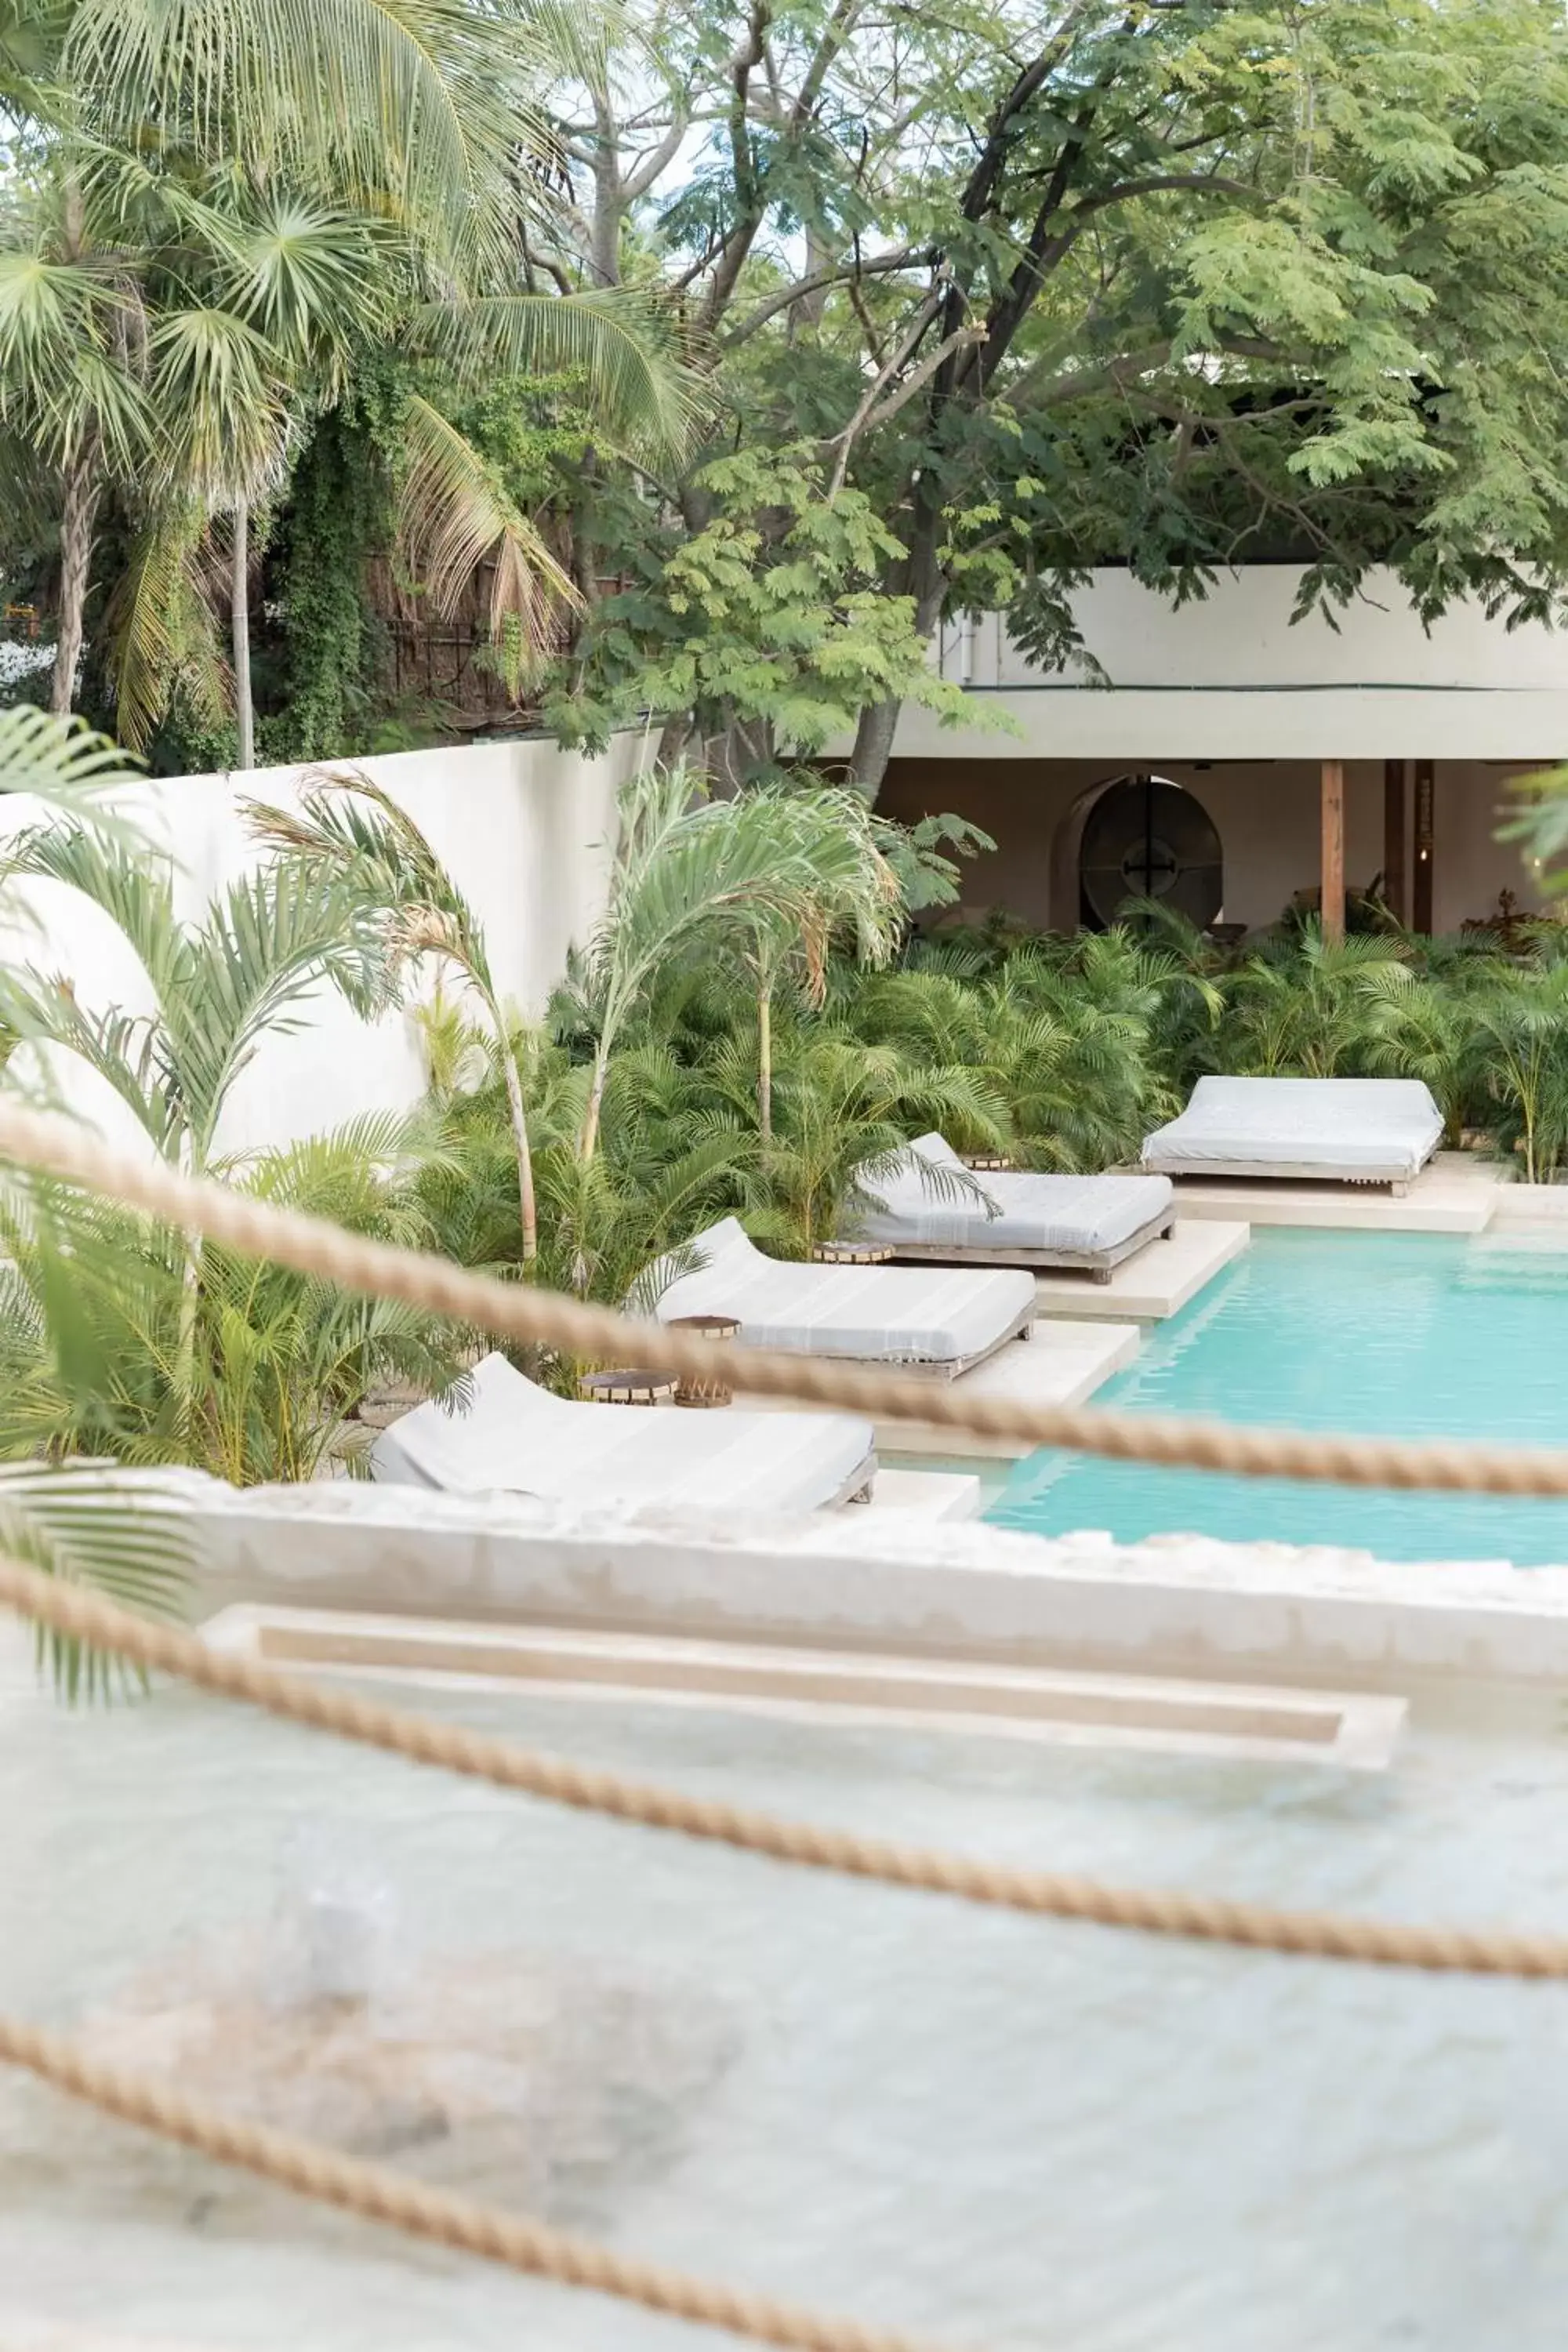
(1231, 678)
(526, 829)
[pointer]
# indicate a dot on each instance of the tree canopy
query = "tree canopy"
(940, 307)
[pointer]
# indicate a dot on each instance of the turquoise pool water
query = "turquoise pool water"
(1411, 1335)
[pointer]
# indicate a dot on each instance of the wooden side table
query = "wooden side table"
(701, 1394)
(850, 1253)
(627, 1387)
(987, 1163)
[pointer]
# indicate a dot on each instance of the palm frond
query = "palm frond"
(415, 105)
(125, 1538)
(162, 631)
(613, 340)
(66, 767)
(455, 518)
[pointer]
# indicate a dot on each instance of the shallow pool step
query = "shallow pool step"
(1218, 1720)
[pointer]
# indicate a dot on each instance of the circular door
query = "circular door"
(1148, 838)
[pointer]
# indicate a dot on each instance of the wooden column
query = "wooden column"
(1395, 865)
(1424, 847)
(1333, 868)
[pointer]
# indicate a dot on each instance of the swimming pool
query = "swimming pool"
(1411, 1335)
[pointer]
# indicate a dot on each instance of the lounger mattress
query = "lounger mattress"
(515, 1437)
(936, 1314)
(1342, 1127)
(1080, 1214)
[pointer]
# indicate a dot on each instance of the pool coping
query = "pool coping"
(1185, 1604)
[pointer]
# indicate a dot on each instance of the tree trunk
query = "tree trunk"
(240, 621)
(587, 1142)
(873, 748)
(879, 720)
(519, 1117)
(79, 506)
(765, 1063)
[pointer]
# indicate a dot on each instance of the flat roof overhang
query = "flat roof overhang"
(1057, 720)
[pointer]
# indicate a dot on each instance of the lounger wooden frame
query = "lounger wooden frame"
(1098, 1264)
(1290, 1171)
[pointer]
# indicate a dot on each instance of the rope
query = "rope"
(521, 2243)
(169, 1649)
(377, 2193)
(515, 1311)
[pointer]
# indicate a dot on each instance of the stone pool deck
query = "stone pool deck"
(1459, 1192)
(1155, 1283)
(1059, 1363)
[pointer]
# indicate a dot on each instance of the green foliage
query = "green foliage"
(1314, 1010)
(336, 517)
(763, 632)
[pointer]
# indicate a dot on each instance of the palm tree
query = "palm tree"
(72, 381)
(266, 945)
(233, 201)
(758, 871)
(352, 836)
(91, 1299)
(1519, 1044)
(830, 841)
(1312, 1009)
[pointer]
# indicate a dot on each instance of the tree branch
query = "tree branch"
(738, 244)
(641, 179)
(922, 375)
(909, 344)
(903, 257)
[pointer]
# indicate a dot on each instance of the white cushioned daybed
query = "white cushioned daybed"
(1008, 1217)
(925, 1318)
(514, 1437)
(1349, 1130)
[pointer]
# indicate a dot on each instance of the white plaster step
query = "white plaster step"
(1061, 1362)
(1531, 1209)
(1158, 1282)
(928, 1494)
(1458, 1193)
(821, 1685)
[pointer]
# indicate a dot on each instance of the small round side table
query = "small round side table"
(987, 1163)
(627, 1387)
(850, 1253)
(700, 1393)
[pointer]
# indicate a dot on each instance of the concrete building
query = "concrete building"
(1321, 758)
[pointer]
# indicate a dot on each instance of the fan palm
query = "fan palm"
(239, 198)
(73, 394)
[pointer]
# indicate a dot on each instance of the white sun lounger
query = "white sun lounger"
(925, 1318)
(1088, 1221)
(514, 1437)
(1349, 1130)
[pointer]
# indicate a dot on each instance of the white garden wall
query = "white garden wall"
(526, 829)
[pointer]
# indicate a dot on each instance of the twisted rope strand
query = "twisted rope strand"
(515, 1311)
(378, 2194)
(168, 1649)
